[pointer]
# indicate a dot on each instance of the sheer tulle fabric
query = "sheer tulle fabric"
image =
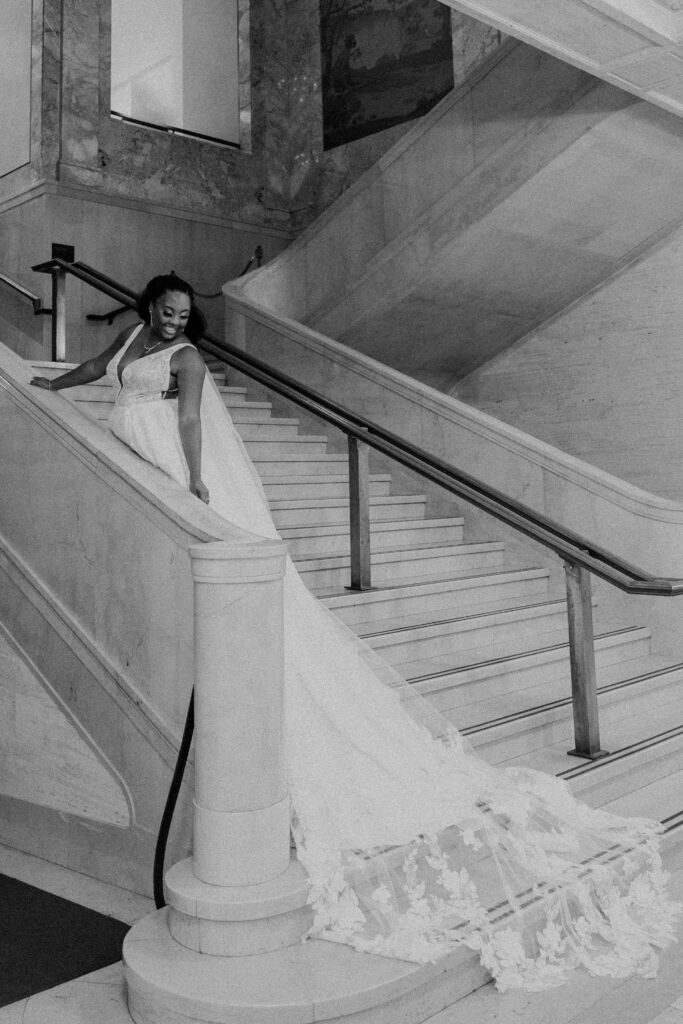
(413, 844)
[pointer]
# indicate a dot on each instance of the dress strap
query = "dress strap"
(116, 359)
(132, 336)
(172, 392)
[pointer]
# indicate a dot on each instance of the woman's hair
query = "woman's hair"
(158, 286)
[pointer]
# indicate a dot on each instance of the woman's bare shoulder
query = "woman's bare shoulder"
(188, 358)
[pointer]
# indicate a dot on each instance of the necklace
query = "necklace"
(148, 348)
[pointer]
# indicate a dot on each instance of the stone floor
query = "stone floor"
(100, 996)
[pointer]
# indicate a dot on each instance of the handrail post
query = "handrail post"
(59, 315)
(582, 663)
(359, 514)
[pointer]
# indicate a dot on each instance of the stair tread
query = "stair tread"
(423, 550)
(387, 526)
(310, 478)
(532, 699)
(405, 583)
(661, 797)
(414, 620)
(506, 607)
(622, 733)
(302, 439)
(433, 585)
(553, 641)
(287, 504)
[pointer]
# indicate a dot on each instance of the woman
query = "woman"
(167, 310)
(413, 844)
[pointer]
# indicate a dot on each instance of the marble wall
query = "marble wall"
(279, 177)
(602, 380)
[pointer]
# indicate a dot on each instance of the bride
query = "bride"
(412, 843)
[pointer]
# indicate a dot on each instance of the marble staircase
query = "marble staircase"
(484, 640)
(477, 633)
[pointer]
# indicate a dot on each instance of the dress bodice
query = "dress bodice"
(145, 379)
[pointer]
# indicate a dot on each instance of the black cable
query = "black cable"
(171, 800)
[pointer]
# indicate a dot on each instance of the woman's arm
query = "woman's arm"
(90, 370)
(190, 370)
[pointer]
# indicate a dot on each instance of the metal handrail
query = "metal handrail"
(580, 555)
(35, 300)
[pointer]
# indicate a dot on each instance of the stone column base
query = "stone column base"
(237, 920)
(314, 981)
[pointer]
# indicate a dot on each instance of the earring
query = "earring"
(151, 316)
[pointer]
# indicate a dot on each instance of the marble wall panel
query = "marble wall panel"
(80, 113)
(44, 117)
(244, 51)
(279, 177)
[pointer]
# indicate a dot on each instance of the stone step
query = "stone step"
(335, 511)
(654, 766)
(457, 593)
(332, 574)
(658, 798)
(292, 464)
(615, 667)
(617, 734)
(268, 429)
(467, 638)
(313, 541)
(303, 486)
(653, 701)
(463, 692)
(274, 452)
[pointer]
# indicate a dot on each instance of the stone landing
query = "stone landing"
(312, 981)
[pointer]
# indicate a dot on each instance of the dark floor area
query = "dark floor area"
(46, 940)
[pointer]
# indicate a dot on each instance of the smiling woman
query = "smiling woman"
(163, 364)
(174, 65)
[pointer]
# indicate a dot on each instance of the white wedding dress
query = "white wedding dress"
(413, 844)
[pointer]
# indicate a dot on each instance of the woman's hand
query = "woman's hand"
(40, 382)
(199, 488)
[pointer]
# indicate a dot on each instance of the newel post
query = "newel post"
(241, 892)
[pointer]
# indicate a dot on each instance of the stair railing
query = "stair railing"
(580, 556)
(35, 300)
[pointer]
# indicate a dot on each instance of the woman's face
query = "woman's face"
(170, 314)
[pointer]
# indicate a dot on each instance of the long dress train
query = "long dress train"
(413, 844)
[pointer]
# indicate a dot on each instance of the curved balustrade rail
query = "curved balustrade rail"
(580, 556)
